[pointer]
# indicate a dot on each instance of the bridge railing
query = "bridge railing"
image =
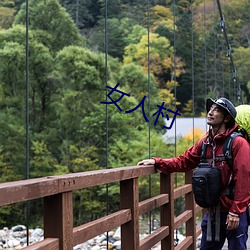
(56, 192)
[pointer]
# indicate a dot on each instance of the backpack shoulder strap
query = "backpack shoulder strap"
(227, 148)
(203, 152)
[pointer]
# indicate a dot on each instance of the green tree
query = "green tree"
(12, 70)
(13, 148)
(241, 56)
(42, 163)
(136, 80)
(161, 57)
(84, 13)
(53, 25)
(78, 73)
(237, 20)
(13, 60)
(6, 17)
(161, 16)
(131, 9)
(12, 108)
(117, 32)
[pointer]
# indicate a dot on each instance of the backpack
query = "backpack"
(243, 120)
(206, 179)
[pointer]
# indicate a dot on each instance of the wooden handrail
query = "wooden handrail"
(90, 230)
(51, 244)
(58, 208)
(24, 190)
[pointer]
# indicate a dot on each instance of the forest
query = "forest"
(57, 69)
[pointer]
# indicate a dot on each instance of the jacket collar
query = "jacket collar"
(221, 136)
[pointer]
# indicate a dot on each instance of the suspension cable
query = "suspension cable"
(192, 77)
(175, 94)
(149, 142)
(205, 51)
(229, 83)
(215, 53)
(107, 120)
(77, 13)
(174, 75)
(27, 207)
(221, 68)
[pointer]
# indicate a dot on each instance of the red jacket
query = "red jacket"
(241, 167)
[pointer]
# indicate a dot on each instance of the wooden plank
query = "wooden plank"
(46, 244)
(182, 218)
(154, 238)
(152, 203)
(90, 230)
(198, 231)
(58, 219)
(99, 177)
(24, 190)
(198, 209)
(129, 196)
(167, 210)
(185, 244)
(190, 205)
(178, 192)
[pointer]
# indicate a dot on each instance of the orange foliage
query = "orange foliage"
(196, 133)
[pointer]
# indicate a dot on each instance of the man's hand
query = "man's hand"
(232, 221)
(146, 162)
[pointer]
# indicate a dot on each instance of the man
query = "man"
(221, 115)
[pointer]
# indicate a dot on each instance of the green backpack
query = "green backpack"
(243, 120)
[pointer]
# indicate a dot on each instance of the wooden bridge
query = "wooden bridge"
(56, 192)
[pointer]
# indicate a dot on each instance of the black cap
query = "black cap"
(223, 103)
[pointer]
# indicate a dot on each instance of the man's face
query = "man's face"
(215, 116)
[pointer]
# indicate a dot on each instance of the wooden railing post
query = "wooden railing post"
(167, 210)
(129, 198)
(190, 205)
(58, 219)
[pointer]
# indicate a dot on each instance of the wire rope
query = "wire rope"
(175, 94)
(27, 207)
(215, 53)
(220, 64)
(77, 13)
(27, 90)
(223, 79)
(149, 141)
(222, 68)
(106, 84)
(192, 76)
(174, 71)
(229, 83)
(205, 49)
